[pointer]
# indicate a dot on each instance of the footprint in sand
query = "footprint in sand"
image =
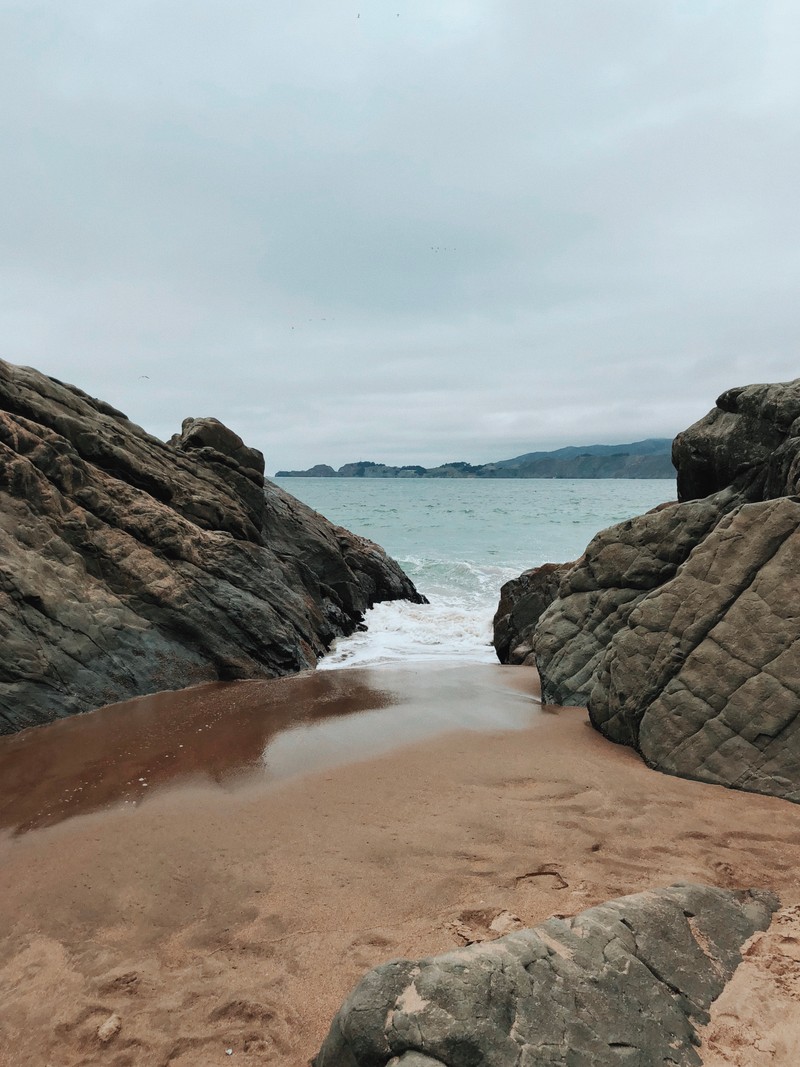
(126, 983)
(547, 877)
(364, 948)
(483, 924)
(727, 877)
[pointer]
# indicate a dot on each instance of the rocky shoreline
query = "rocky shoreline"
(131, 565)
(680, 629)
(229, 916)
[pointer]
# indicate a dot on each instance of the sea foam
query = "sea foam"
(455, 625)
(459, 540)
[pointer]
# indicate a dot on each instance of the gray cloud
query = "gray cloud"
(459, 233)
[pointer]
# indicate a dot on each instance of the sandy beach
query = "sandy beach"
(220, 903)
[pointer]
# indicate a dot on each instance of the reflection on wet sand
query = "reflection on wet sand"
(228, 732)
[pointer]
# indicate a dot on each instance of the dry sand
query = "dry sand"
(234, 912)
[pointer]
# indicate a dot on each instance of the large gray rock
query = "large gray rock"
(128, 565)
(752, 437)
(680, 629)
(625, 983)
(620, 567)
(704, 676)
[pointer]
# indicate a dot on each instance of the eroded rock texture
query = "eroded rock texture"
(620, 567)
(680, 628)
(523, 600)
(752, 437)
(129, 565)
(704, 677)
(627, 982)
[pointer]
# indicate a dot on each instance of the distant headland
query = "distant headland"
(641, 459)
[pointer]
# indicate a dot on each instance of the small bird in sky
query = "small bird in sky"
(144, 375)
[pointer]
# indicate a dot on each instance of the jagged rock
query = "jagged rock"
(522, 601)
(128, 565)
(752, 436)
(212, 434)
(627, 982)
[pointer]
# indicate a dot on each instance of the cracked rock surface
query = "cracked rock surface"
(130, 565)
(627, 983)
(620, 567)
(704, 677)
(680, 629)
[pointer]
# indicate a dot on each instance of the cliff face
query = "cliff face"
(129, 565)
(680, 629)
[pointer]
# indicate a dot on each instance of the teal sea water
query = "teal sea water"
(459, 541)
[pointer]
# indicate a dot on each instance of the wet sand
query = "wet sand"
(239, 899)
(238, 732)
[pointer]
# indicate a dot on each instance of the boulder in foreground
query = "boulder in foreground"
(130, 565)
(627, 982)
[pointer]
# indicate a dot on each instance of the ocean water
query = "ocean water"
(459, 541)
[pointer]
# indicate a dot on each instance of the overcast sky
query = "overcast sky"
(408, 231)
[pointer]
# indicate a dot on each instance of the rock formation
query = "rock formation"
(704, 677)
(627, 982)
(522, 601)
(595, 597)
(751, 439)
(680, 629)
(129, 565)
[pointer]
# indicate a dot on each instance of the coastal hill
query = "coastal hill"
(641, 459)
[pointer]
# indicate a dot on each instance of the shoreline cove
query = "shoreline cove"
(206, 872)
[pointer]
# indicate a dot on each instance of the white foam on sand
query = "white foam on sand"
(455, 625)
(449, 627)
